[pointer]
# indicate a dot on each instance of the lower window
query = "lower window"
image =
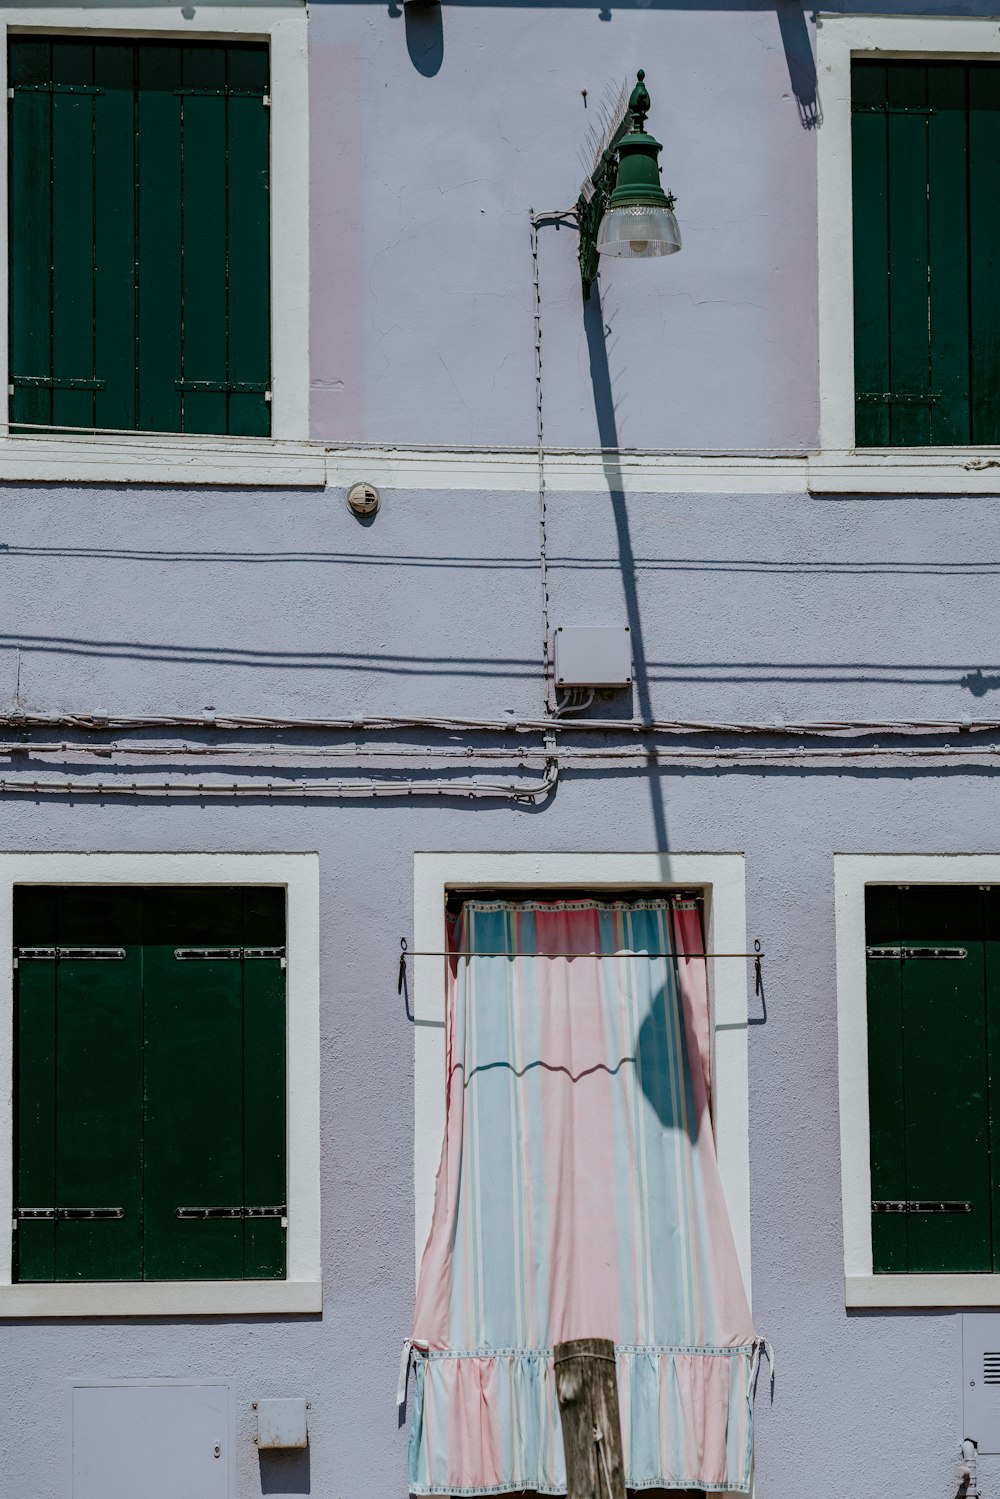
(933, 981)
(150, 1096)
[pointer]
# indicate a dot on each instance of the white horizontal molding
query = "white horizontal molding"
(910, 35)
(143, 14)
(585, 472)
(941, 471)
(249, 462)
(922, 1290)
(192, 1298)
(92, 459)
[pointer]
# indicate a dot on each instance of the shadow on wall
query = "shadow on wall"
(425, 33)
(285, 1472)
(607, 427)
(656, 1064)
(424, 36)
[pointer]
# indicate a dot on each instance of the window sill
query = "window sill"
(189, 1298)
(922, 1290)
(138, 458)
(905, 471)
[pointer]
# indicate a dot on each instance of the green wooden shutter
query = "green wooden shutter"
(79, 1085)
(926, 180)
(215, 1085)
(264, 1090)
(139, 235)
(151, 1083)
(35, 1088)
(932, 1112)
(194, 1085)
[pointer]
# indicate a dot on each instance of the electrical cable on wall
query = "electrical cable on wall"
(97, 720)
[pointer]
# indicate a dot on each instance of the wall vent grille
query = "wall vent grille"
(991, 1368)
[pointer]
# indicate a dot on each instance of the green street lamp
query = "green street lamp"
(628, 214)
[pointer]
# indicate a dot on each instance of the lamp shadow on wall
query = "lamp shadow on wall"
(656, 1066)
(800, 62)
(607, 428)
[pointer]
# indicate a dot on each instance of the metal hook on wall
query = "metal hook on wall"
(401, 983)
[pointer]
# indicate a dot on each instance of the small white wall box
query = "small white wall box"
(981, 1379)
(593, 656)
(281, 1424)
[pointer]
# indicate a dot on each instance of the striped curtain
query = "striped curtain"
(578, 1195)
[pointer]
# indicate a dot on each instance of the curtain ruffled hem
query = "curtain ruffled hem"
(486, 1421)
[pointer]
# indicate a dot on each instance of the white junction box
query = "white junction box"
(981, 1379)
(281, 1424)
(593, 656)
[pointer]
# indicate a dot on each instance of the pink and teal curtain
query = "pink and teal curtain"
(578, 1195)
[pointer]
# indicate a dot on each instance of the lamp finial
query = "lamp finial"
(639, 101)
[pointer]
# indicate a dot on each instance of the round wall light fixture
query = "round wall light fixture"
(363, 500)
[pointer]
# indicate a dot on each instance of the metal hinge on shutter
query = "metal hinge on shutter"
(890, 398)
(224, 91)
(61, 954)
(906, 1206)
(917, 952)
(893, 109)
(54, 88)
(207, 954)
(275, 1212)
(231, 954)
(225, 388)
(50, 1215)
(57, 382)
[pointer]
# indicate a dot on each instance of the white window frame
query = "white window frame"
(839, 39)
(301, 1290)
(721, 876)
(283, 28)
(852, 872)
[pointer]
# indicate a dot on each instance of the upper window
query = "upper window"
(926, 185)
(150, 1094)
(933, 981)
(139, 235)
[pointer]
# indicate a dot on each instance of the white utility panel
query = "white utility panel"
(593, 656)
(158, 1439)
(981, 1379)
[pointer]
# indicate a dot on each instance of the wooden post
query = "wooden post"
(587, 1391)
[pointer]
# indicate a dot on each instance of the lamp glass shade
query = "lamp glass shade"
(638, 231)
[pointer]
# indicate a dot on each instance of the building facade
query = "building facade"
(770, 459)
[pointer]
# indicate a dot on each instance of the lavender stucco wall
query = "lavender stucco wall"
(855, 1394)
(422, 271)
(744, 607)
(161, 599)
